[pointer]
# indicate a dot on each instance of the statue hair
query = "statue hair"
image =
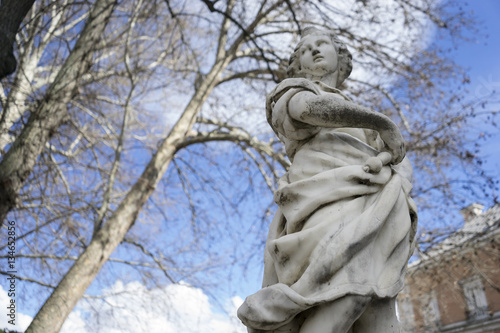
(344, 56)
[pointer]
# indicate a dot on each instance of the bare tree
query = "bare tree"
(19, 161)
(80, 119)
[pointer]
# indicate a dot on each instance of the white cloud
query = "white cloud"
(132, 308)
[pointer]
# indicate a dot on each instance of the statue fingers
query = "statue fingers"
(373, 165)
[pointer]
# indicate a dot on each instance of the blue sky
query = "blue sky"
(482, 59)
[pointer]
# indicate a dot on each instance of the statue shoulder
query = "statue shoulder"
(287, 85)
(292, 83)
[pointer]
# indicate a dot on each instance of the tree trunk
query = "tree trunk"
(12, 13)
(18, 162)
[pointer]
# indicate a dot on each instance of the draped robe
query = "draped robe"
(338, 230)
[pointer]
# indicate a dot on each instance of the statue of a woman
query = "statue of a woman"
(338, 246)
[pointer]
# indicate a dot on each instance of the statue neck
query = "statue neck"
(329, 79)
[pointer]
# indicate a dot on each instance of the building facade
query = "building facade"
(456, 286)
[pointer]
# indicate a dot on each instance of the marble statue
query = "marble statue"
(340, 241)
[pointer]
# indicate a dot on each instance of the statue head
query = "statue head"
(342, 64)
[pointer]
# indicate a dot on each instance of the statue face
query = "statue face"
(318, 56)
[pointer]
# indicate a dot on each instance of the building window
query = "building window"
(477, 306)
(430, 310)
